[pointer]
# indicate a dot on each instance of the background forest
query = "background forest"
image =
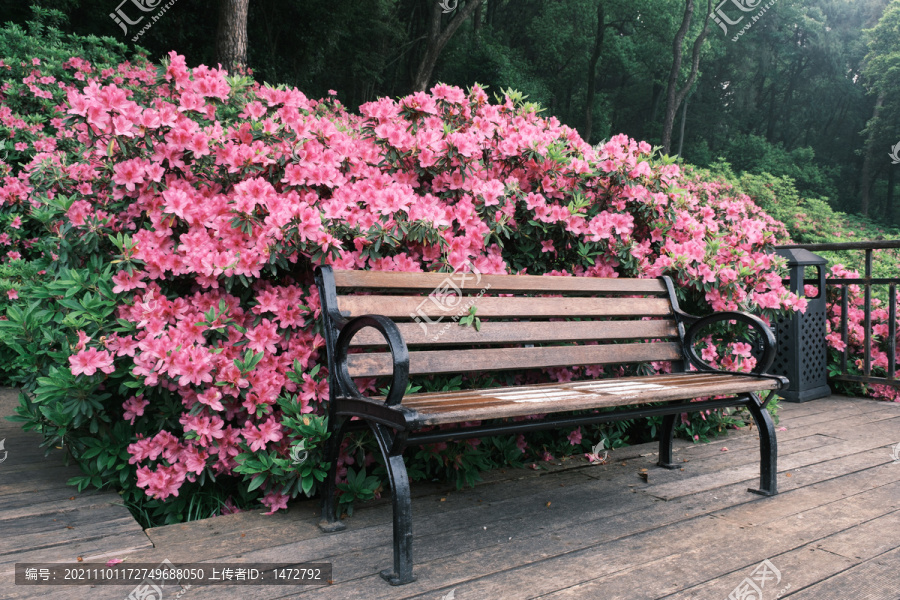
(810, 91)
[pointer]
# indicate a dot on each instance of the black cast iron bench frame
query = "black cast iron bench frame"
(395, 426)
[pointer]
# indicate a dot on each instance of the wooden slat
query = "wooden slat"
(477, 405)
(427, 399)
(457, 361)
(507, 332)
(496, 283)
(406, 307)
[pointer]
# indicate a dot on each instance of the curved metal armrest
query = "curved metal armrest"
(766, 339)
(399, 355)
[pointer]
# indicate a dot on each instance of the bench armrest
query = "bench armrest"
(765, 341)
(399, 355)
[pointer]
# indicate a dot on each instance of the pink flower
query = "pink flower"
(126, 282)
(134, 407)
(83, 339)
(574, 436)
(269, 431)
(162, 483)
(12, 294)
(275, 501)
(741, 349)
(88, 361)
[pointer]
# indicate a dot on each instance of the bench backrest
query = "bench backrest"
(527, 321)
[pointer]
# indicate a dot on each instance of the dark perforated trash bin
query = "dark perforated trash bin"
(802, 350)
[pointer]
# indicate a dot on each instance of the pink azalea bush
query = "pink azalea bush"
(174, 217)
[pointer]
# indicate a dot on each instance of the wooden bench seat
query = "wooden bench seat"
(441, 408)
(398, 325)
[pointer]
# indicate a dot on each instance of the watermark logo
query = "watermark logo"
(721, 18)
(3, 450)
(895, 154)
(123, 19)
(446, 7)
(151, 587)
(447, 299)
(299, 453)
(752, 587)
(895, 453)
(594, 457)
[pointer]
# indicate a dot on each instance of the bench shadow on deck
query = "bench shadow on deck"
(571, 531)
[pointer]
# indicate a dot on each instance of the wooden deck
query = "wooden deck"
(573, 531)
(44, 520)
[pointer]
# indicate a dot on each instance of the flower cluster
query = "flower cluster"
(212, 198)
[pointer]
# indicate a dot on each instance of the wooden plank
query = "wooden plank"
(634, 566)
(599, 390)
(869, 540)
(426, 307)
(535, 332)
(873, 579)
(577, 534)
(574, 514)
(496, 283)
(30, 533)
(376, 364)
(813, 563)
(432, 416)
(750, 472)
(661, 378)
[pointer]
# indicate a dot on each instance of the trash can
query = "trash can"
(802, 351)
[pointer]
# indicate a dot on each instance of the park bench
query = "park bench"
(401, 324)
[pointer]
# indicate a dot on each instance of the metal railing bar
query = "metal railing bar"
(892, 331)
(844, 327)
(862, 281)
(875, 245)
(867, 356)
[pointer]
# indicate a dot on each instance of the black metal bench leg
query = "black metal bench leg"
(666, 435)
(400, 497)
(331, 521)
(768, 448)
(402, 572)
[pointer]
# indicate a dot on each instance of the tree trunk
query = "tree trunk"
(788, 103)
(674, 96)
(476, 25)
(231, 37)
(770, 120)
(437, 38)
(592, 74)
(865, 178)
(683, 119)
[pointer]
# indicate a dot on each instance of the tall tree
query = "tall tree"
(882, 64)
(231, 37)
(437, 37)
(674, 95)
(592, 73)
